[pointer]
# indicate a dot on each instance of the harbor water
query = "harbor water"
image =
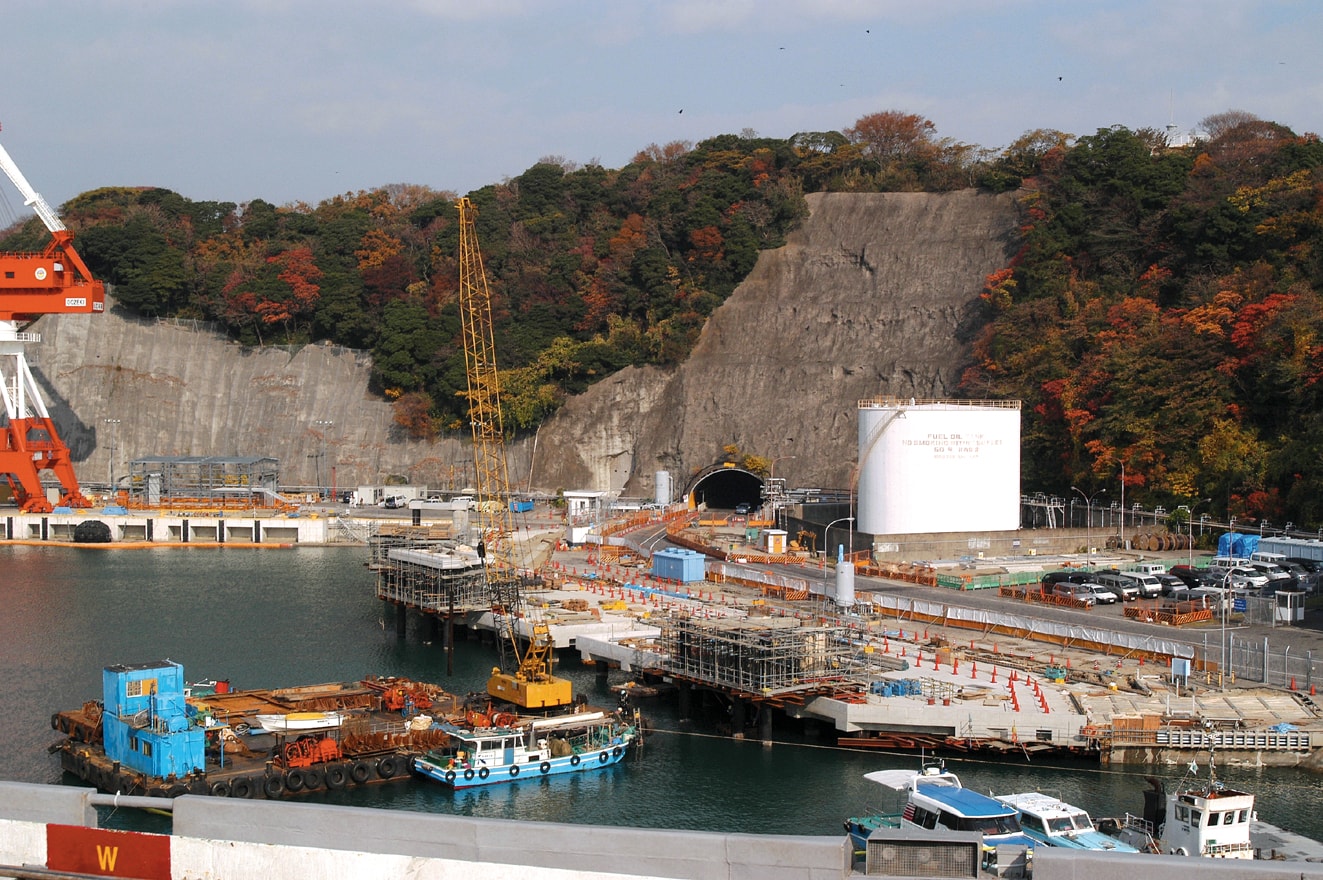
(266, 617)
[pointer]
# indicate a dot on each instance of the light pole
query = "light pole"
(325, 425)
(114, 429)
(1088, 518)
(1191, 509)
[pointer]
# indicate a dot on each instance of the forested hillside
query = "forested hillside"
(1163, 317)
(1161, 312)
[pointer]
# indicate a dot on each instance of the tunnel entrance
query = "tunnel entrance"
(723, 487)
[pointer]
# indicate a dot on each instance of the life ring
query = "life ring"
(514, 770)
(574, 760)
(313, 778)
(450, 776)
(544, 767)
(360, 772)
(386, 767)
(336, 777)
(273, 787)
(220, 789)
(615, 753)
(483, 773)
(294, 780)
(603, 758)
(468, 774)
(241, 788)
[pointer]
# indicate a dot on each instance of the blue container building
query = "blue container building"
(678, 564)
(147, 725)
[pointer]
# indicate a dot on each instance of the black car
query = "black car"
(1196, 577)
(1052, 578)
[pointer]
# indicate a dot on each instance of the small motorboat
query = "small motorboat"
(299, 722)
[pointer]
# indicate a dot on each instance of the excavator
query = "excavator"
(53, 281)
(531, 685)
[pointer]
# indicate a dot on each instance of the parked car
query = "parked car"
(1313, 566)
(1082, 592)
(1170, 584)
(1196, 577)
(1246, 578)
(741, 509)
(1304, 578)
(1101, 595)
(1124, 588)
(1278, 577)
(1052, 578)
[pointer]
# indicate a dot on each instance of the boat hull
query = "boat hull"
(458, 777)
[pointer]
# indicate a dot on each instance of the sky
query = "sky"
(302, 100)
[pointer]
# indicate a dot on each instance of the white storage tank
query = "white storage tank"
(661, 486)
(938, 466)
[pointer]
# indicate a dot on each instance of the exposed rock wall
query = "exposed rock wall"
(867, 298)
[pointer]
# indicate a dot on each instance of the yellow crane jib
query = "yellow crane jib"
(531, 685)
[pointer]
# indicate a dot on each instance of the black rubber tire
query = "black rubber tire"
(603, 758)
(388, 767)
(313, 778)
(544, 768)
(514, 770)
(241, 787)
(615, 753)
(220, 789)
(360, 772)
(294, 780)
(450, 776)
(336, 776)
(574, 760)
(484, 773)
(173, 791)
(468, 774)
(273, 787)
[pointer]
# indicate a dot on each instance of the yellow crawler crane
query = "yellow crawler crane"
(531, 685)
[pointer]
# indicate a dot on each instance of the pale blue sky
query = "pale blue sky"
(296, 100)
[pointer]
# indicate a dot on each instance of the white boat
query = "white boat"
(1053, 822)
(1199, 818)
(293, 722)
(936, 799)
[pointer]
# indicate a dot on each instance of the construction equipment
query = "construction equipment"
(54, 281)
(531, 685)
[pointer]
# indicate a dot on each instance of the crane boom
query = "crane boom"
(55, 281)
(30, 196)
(532, 685)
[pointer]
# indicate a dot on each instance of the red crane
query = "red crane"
(53, 281)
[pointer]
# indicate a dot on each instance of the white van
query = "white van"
(1151, 568)
(1265, 556)
(1222, 564)
(1119, 584)
(1149, 586)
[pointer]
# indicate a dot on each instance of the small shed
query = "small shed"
(774, 541)
(678, 564)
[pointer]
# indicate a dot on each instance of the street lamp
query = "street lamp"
(325, 425)
(1088, 518)
(114, 429)
(1201, 522)
(772, 490)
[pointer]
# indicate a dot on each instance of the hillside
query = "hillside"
(866, 298)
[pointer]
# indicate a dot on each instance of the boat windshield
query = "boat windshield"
(989, 825)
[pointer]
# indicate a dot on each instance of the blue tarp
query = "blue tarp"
(1236, 544)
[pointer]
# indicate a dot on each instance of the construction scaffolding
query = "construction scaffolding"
(764, 656)
(192, 481)
(430, 575)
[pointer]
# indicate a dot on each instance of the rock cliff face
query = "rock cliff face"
(868, 298)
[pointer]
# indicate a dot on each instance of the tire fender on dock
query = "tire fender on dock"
(241, 787)
(360, 772)
(273, 786)
(294, 780)
(220, 789)
(387, 767)
(313, 778)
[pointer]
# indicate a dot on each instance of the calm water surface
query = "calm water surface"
(279, 618)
